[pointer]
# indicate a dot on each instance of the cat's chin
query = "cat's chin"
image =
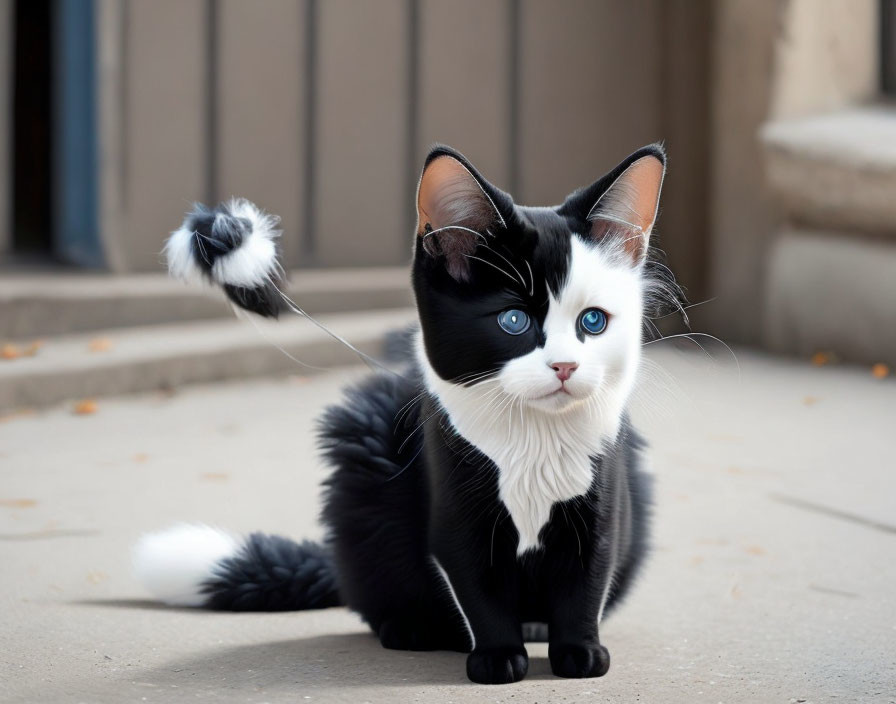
(558, 401)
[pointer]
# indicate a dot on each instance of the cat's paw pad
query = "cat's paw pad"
(497, 665)
(397, 634)
(579, 660)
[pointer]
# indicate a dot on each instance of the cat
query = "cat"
(492, 488)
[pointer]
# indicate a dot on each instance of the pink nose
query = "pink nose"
(564, 369)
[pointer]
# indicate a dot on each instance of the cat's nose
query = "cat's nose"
(564, 369)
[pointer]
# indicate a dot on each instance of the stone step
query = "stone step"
(39, 304)
(166, 357)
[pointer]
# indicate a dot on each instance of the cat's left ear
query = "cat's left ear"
(456, 209)
(624, 203)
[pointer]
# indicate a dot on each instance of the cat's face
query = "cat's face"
(540, 307)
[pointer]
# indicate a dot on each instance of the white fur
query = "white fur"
(251, 265)
(179, 255)
(173, 563)
(541, 439)
(460, 610)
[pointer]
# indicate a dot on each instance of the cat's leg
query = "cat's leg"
(576, 574)
(482, 578)
(376, 517)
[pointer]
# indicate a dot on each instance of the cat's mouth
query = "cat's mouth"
(554, 400)
(559, 391)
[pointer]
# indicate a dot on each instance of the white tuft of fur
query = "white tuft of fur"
(172, 564)
(254, 262)
(179, 255)
(251, 265)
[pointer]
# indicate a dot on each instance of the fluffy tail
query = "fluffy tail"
(197, 565)
(233, 245)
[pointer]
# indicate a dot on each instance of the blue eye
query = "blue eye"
(593, 321)
(513, 321)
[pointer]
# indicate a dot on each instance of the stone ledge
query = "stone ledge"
(836, 170)
(831, 292)
(38, 304)
(170, 356)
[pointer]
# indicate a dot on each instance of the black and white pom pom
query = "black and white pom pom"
(233, 245)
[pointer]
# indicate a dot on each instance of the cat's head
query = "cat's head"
(541, 305)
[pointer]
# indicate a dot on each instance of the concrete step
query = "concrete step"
(146, 358)
(39, 304)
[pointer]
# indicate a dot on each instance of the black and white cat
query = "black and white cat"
(495, 482)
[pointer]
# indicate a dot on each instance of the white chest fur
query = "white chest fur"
(542, 459)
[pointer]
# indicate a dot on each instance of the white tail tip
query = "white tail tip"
(172, 564)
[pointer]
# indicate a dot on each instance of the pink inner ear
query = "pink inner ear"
(450, 195)
(629, 206)
(451, 209)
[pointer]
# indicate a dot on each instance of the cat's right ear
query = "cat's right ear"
(454, 210)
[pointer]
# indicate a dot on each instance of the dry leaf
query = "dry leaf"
(141, 457)
(21, 413)
(18, 503)
(96, 577)
(819, 359)
(880, 370)
(85, 407)
(754, 550)
(810, 400)
(10, 352)
(33, 348)
(215, 476)
(100, 344)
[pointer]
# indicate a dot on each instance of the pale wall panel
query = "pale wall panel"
(164, 94)
(261, 147)
(590, 90)
(362, 207)
(463, 82)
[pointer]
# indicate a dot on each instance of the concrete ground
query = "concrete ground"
(772, 578)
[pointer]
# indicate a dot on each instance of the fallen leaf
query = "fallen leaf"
(85, 407)
(96, 577)
(100, 344)
(880, 370)
(10, 352)
(754, 550)
(33, 348)
(215, 476)
(819, 359)
(18, 503)
(141, 457)
(21, 413)
(810, 400)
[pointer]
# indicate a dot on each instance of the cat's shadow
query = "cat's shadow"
(318, 664)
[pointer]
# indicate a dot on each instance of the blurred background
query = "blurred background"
(779, 205)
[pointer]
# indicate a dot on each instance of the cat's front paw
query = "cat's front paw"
(579, 660)
(497, 665)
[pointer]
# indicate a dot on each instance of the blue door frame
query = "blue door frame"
(76, 160)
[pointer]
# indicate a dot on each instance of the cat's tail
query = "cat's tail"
(234, 246)
(200, 566)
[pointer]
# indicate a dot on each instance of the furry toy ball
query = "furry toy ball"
(233, 245)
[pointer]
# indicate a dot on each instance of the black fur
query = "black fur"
(271, 573)
(390, 504)
(408, 495)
